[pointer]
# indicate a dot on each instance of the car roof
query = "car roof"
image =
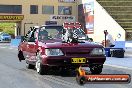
(36, 26)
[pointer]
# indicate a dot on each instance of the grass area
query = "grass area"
(7, 28)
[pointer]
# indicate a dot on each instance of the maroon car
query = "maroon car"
(55, 47)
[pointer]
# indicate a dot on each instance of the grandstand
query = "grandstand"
(121, 11)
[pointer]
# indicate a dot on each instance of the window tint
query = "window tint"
(47, 9)
(33, 9)
(50, 33)
(11, 9)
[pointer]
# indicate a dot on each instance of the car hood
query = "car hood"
(72, 45)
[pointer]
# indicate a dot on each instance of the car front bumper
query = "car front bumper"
(67, 60)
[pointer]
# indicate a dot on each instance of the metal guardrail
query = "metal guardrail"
(128, 44)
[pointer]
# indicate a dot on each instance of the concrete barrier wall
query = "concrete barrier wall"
(15, 42)
(128, 44)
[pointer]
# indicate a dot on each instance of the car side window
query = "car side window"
(43, 35)
(25, 38)
(30, 36)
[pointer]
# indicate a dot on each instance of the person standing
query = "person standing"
(109, 39)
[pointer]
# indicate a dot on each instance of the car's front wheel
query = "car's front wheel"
(40, 68)
(96, 68)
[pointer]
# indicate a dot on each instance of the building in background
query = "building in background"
(94, 18)
(33, 12)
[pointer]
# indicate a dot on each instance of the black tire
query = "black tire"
(20, 56)
(30, 66)
(64, 71)
(96, 68)
(40, 68)
(43, 70)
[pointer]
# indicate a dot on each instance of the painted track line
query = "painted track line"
(11, 48)
(2, 47)
(117, 66)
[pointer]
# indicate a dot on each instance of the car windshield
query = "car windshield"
(81, 34)
(75, 33)
(50, 33)
(55, 33)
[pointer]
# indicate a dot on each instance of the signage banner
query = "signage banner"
(11, 17)
(81, 17)
(88, 6)
(63, 18)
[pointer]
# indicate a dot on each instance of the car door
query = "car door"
(22, 49)
(30, 48)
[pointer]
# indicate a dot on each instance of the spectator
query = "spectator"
(109, 39)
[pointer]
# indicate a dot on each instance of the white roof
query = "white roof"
(36, 26)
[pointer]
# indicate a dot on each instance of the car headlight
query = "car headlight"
(98, 51)
(53, 52)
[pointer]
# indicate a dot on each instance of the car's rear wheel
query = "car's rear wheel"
(30, 66)
(40, 68)
(20, 56)
(96, 68)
